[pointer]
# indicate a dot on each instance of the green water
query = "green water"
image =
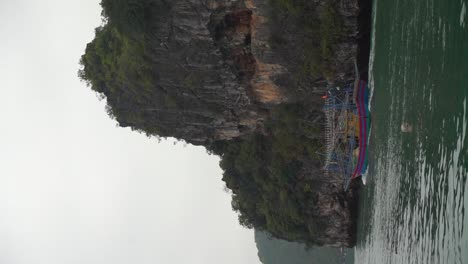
(413, 208)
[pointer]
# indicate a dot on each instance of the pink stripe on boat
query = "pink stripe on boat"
(362, 129)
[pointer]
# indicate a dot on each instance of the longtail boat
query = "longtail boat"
(347, 130)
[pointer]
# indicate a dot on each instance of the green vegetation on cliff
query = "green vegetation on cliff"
(118, 63)
(271, 190)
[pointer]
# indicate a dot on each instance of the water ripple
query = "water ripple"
(413, 209)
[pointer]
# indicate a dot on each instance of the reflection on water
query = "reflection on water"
(413, 210)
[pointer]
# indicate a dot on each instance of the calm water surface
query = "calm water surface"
(413, 208)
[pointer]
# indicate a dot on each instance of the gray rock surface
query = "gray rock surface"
(215, 57)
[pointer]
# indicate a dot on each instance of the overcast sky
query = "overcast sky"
(74, 188)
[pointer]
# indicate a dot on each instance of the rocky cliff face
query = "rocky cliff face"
(335, 209)
(206, 78)
(219, 67)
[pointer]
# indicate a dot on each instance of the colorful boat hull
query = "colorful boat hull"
(362, 105)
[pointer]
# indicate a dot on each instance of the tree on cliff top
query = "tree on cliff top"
(118, 64)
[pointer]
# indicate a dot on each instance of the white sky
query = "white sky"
(74, 188)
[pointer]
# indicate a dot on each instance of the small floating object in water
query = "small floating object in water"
(406, 127)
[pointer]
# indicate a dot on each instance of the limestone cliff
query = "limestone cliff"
(218, 68)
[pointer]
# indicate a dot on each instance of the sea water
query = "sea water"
(412, 209)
